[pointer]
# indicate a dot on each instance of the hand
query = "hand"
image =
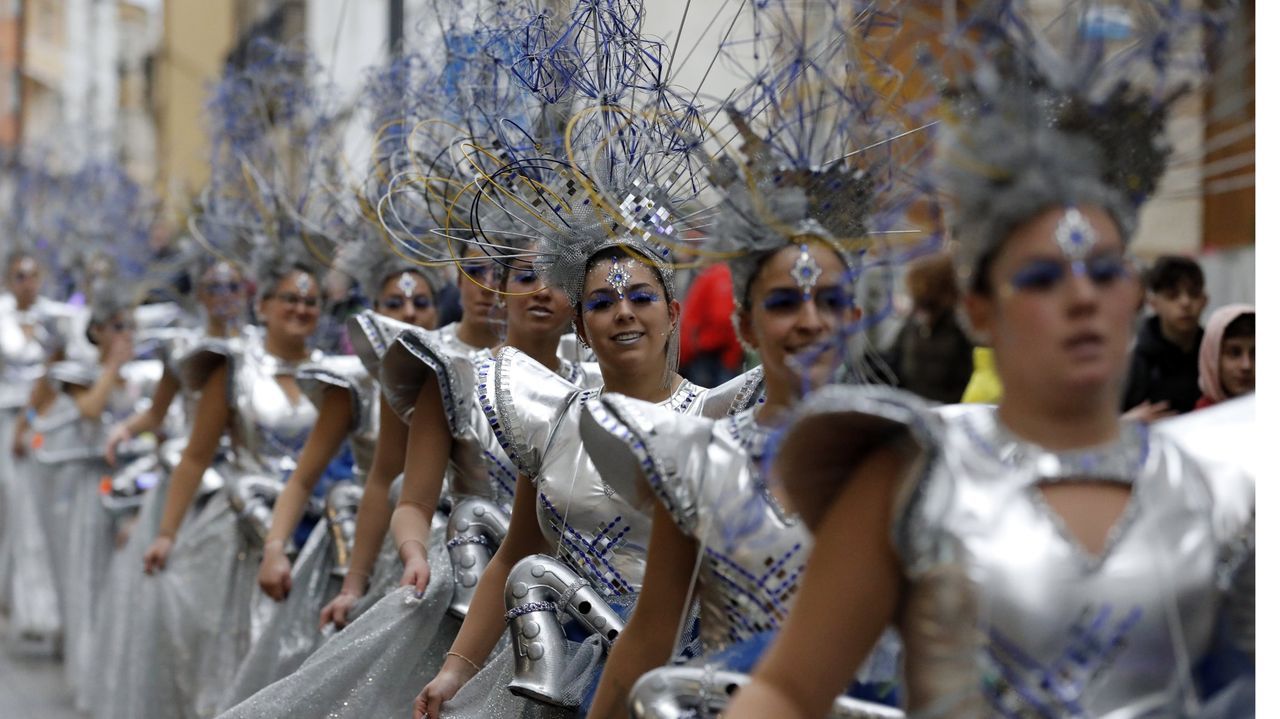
(19, 447)
(441, 689)
(338, 611)
(157, 555)
(1148, 412)
(275, 575)
(119, 433)
(417, 572)
(120, 352)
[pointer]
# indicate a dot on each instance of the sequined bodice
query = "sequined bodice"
(68, 436)
(589, 524)
(478, 465)
(1050, 625)
(268, 428)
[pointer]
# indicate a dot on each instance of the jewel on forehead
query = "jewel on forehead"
(619, 277)
(406, 284)
(27, 265)
(1074, 235)
(223, 272)
(303, 282)
(806, 271)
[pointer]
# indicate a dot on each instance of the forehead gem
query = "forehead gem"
(619, 277)
(406, 284)
(27, 265)
(303, 282)
(222, 272)
(1074, 235)
(805, 271)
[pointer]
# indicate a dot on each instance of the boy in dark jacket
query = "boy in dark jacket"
(1164, 371)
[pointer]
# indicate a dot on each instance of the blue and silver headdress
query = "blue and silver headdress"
(1068, 116)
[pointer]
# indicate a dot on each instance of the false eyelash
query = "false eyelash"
(597, 303)
(643, 296)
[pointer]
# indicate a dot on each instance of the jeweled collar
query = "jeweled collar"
(1119, 460)
(755, 440)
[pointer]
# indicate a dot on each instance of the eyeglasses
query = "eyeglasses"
(293, 300)
(395, 302)
(1042, 276)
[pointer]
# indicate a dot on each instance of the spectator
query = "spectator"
(710, 353)
(1227, 355)
(1164, 370)
(932, 356)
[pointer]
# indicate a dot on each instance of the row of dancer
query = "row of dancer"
(1038, 558)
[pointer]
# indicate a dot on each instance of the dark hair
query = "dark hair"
(1242, 326)
(1172, 271)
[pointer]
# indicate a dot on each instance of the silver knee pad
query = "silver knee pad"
(538, 589)
(677, 692)
(476, 528)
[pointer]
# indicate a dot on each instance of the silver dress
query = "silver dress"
(1004, 613)
(27, 341)
(292, 633)
(708, 476)
(204, 609)
(377, 664)
(601, 531)
(71, 462)
(117, 612)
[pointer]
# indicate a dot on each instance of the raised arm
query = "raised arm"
(332, 426)
(426, 457)
(373, 516)
(486, 618)
(146, 420)
(848, 596)
(212, 414)
(654, 627)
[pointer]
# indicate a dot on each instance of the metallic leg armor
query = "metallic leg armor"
(252, 499)
(677, 692)
(538, 589)
(340, 506)
(476, 528)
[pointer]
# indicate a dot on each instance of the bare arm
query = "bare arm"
(332, 426)
(823, 641)
(486, 618)
(92, 400)
(426, 457)
(655, 625)
(373, 516)
(212, 414)
(148, 419)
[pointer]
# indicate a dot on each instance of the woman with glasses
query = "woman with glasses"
(1041, 557)
(199, 598)
(220, 292)
(71, 456)
(33, 332)
(346, 394)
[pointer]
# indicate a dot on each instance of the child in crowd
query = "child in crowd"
(1227, 355)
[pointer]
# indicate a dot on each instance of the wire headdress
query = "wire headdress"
(1069, 116)
(817, 148)
(275, 166)
(625, 172)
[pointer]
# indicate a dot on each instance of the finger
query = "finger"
(286, 586)
(433, 705)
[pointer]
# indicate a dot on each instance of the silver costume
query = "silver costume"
(599, 531)
(28, 340)
(292, 632)
(70, 462)
(1004, 613)
(378, 663)
(709, 478)
(200, 614)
